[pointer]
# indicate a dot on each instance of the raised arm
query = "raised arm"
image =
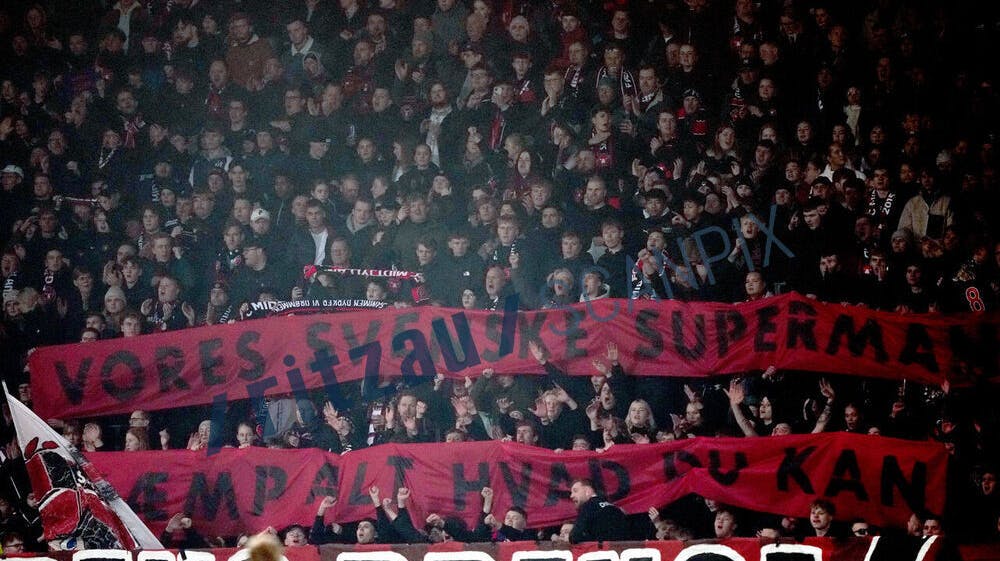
(824, 417)
(736, 396)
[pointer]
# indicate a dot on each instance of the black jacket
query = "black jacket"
(599, 520)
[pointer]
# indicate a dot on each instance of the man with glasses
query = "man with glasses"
(13, 542)
(861, 529)
(296, 121)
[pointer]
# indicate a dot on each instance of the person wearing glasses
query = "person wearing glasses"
(13, 542)
(861, 529)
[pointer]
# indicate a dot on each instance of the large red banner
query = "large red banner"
(735, 549)
(879, 479)
(668, 338)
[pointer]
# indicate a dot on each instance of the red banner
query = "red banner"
(669, 338)
(881, 480)
(736, 549)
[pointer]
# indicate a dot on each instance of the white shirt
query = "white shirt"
(319, 240)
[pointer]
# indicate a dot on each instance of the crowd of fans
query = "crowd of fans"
(165, 162)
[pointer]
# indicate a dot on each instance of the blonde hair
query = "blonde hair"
(264, 547)
(650, 422)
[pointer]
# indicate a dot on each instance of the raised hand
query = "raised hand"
(188, 312)
(600, 367)
(111, 276)
(735, 393)
(680, 424)
(470, 405)
(402, 495)
(326, 504)
(410, 425)
(6, 127)
(692, 397)
(654, 514)
(540, 410)
(373, 494)
(175, 522)
(639, 438)
(612, 353)
(561, 394)
(826, 389)
(13, 449)
(329, 410)
(460, 409)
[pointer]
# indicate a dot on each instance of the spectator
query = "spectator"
(246, 52)
(597, 519)
(180, 533)
(928, 213)
(821, 518)
(257, 273)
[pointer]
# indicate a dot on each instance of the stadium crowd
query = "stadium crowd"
(165, 162)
